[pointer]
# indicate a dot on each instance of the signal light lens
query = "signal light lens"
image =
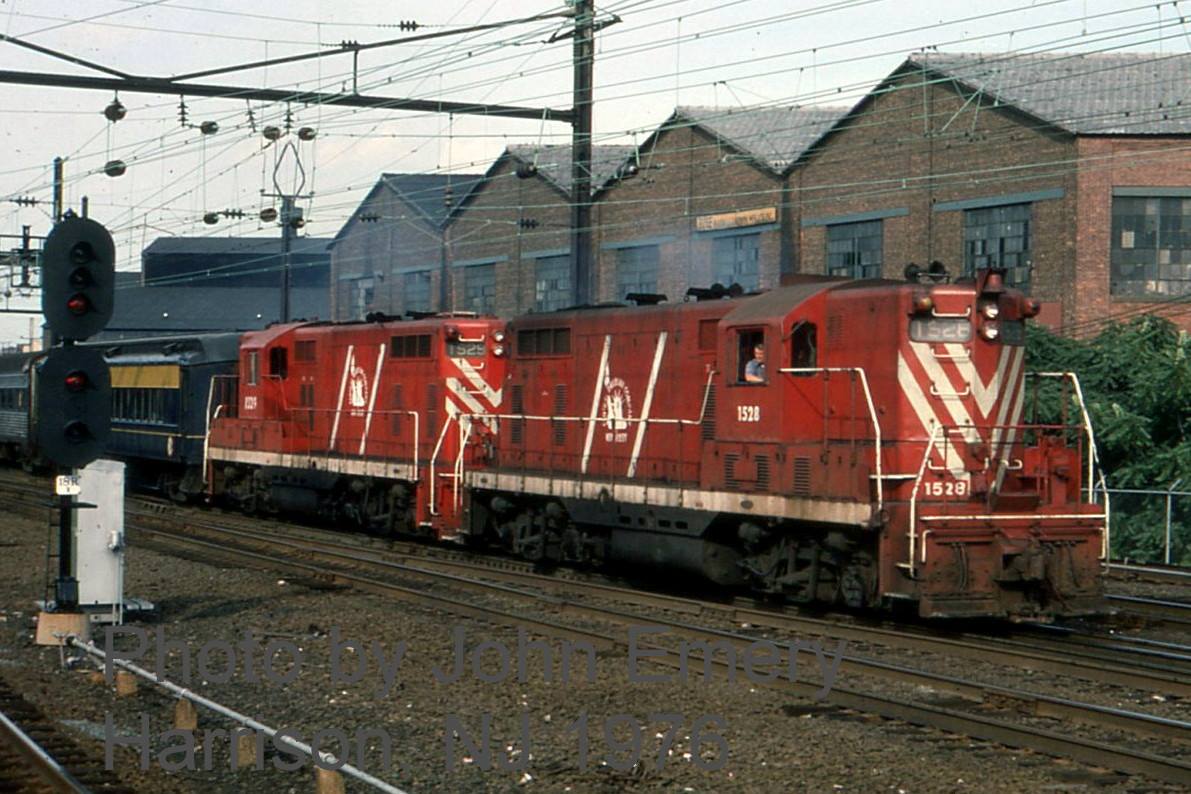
(76, 381)
(82, 252)
(76, 432)
(78, 305)
(80, 278)
(1030, 307)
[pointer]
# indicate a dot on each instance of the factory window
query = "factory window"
(304, 350)
(410, 346)
(552, 283)
(999, 237)
(416, 291)
(479, 289)
(737, 260)
(544, 341)
(11, 399)
(636, 270)
(854, 249)
(253, 367)
(1151, 246)
(363, 290)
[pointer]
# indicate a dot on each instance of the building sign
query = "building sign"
(733, 220)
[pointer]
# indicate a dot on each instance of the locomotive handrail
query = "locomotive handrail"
(943, 431)
(934, 390)
(1093, 455)
(872, 412)
(967, 312)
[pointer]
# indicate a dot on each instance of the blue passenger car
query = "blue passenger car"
(161, 395)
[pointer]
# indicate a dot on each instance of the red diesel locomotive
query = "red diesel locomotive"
(880, 455)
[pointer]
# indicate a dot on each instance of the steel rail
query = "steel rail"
(46, 766)
(1088, 751)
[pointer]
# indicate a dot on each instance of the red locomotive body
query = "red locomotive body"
(878, 453)
(358, 422)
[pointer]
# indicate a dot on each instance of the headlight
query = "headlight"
(991, 311)
(990, 331)
(499, 350)
(499, 336)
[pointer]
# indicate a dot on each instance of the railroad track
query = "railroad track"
(1156, 573)
(37, 756)
(1164, 610)
(1135, 663)
(370, 571)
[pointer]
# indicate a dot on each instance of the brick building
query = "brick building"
(509, 242)
(1070, 170)
(705, 202)
(389, 256)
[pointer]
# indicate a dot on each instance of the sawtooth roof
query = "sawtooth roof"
(554, 163)
(775, 137)
(1100, 93)
(427, 193)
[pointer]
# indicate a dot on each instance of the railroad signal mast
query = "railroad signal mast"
(73, 384)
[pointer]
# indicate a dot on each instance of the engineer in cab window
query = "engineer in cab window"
(754, 371)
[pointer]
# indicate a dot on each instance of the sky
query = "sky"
(655, 55)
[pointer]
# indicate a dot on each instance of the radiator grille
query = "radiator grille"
(763, 472)
(517, 426)
(802, 476)
(398, 401)
(432, 411)
(707, 430)
(730, 462)
(835, 329)
(560, 409)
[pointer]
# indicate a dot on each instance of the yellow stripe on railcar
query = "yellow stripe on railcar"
(147, 376)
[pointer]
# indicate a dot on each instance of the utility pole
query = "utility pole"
(287, 237)
(584, 54)
(57, 189)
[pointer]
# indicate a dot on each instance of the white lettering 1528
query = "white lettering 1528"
(948, 488)
(748, 413)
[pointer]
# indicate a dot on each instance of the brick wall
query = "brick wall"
(398, 241)
(914, 148)
(684, 174)
(487, 228)
(1105, 163)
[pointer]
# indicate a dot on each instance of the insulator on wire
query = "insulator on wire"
(115, 111)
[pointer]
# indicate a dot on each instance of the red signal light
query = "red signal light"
(78, 304)
(76, 380)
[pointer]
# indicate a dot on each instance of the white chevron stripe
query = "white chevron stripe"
(476, 379)
(955, 405)
(347, 365)
(595, 403)
(469, 402)
(1009, 397)
(986, 394)
(648, 405)
(926, 415)
(1014, 419)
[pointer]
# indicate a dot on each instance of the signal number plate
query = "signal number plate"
(748, 413)
(67, 485)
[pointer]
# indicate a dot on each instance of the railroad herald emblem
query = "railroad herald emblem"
(357, 393)
(618, 410)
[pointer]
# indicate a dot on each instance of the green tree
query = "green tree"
(1136, 379)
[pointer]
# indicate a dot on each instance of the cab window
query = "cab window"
(253, 367)
(804, 346)
(750, 357)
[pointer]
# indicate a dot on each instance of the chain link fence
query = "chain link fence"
(1151, 525)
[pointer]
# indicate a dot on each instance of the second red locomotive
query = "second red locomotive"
(860, 442)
